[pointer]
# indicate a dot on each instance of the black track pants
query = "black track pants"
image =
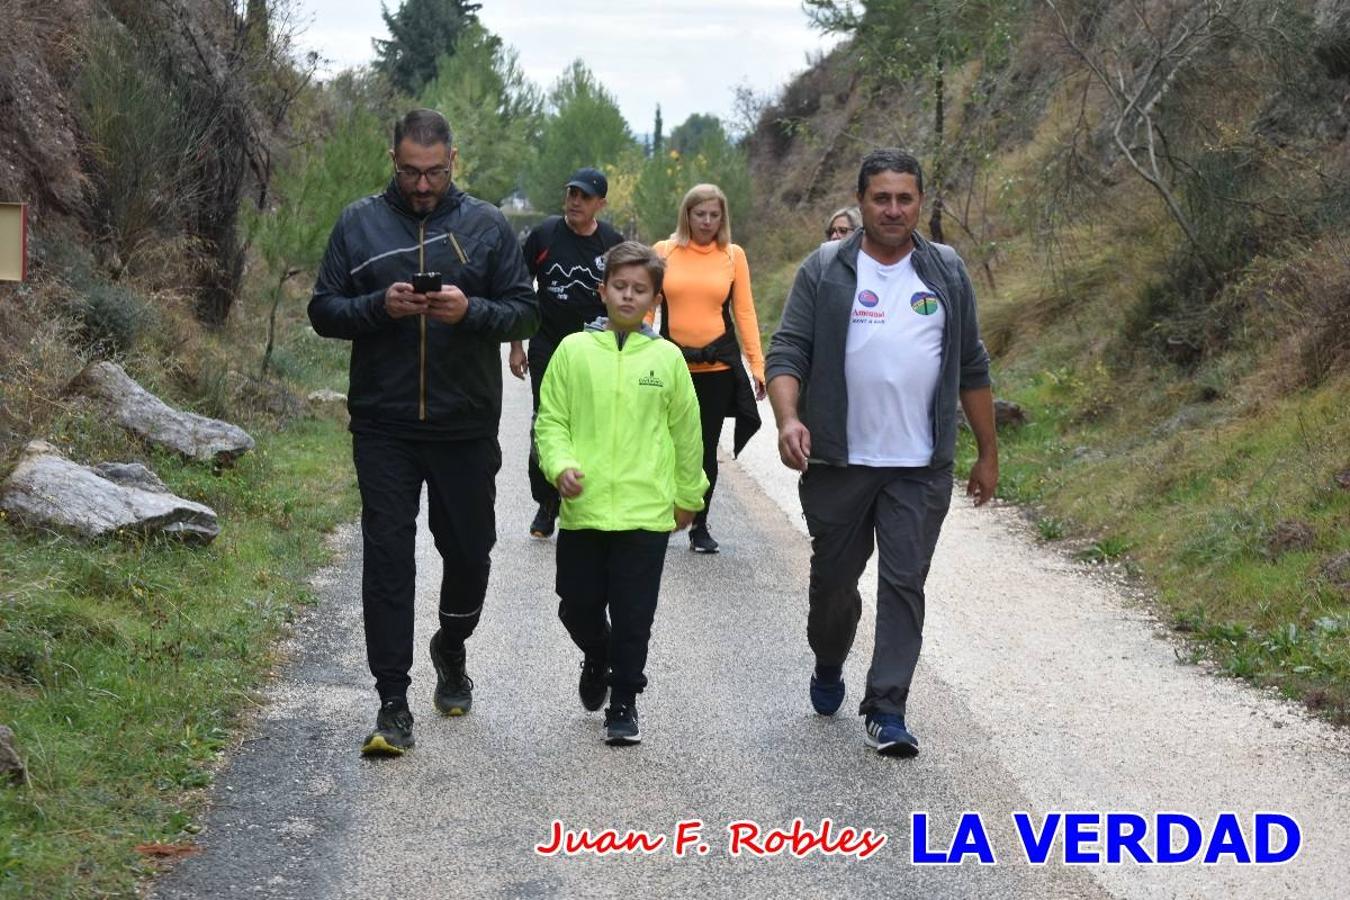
(461, 492)
(619, 571)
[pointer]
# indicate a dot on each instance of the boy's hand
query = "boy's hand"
(569, 483)
(683, 518)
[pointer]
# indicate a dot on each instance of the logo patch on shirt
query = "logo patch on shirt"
(868, 299)
(650, 380)
(924, 303)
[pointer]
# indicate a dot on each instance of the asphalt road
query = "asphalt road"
(1041, 689)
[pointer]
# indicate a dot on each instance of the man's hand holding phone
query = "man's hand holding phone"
(402, 300)
(448, 305)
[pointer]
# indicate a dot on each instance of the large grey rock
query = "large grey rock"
(48, 490)
(132, 475)
(11, 766)
(154, 421)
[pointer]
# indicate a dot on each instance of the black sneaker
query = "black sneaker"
(454, 688)
(700, 541)
(594, 685)
(621, 725)
(393, 734)
(826, 694)
(542, 526)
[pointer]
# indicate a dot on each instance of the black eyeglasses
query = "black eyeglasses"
(838, 231)
(412, 176)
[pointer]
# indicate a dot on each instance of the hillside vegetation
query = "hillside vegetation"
(1153, 199)
(1151, 195)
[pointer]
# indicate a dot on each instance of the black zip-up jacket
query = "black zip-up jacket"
(415, 377)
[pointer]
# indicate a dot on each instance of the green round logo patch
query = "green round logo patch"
(924, 303)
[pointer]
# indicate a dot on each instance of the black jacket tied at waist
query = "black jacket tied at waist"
(726, 349)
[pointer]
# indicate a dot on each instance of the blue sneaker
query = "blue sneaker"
(886, 733)
(826, 696)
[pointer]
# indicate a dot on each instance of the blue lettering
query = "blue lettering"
(1227, 838)
(1293, 838)
(1166, 852)
(1078, 829)
(971, 839)
(1036, 846)
(918, 842)
(1118, 838)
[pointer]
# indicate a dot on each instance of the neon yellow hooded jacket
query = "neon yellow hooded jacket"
(628, 420)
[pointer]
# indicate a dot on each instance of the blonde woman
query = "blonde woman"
(709, 312)
(843, 223)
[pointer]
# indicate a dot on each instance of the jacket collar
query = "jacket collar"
(601, 322)
(452, 198)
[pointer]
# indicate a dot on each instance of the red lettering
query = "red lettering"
(846, 844)
(870, 844)
(552, 846)
(687, 833)
(743, 834)
(563, 840)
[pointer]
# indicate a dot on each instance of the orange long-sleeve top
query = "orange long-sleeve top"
(697, 279)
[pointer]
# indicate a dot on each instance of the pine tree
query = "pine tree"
(420, 33)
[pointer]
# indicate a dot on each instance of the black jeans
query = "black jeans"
(847, 508)
(716, 392)
(621, 571)
(461, 492)
(543, 491)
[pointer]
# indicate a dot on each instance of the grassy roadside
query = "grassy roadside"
(1233, 517)
(125, 666)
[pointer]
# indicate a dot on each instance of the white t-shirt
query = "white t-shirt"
(891, 365)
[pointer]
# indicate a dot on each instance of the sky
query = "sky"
(688, 55)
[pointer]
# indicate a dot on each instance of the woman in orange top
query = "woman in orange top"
(707, 287)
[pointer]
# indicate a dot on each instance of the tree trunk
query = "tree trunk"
(935, 221)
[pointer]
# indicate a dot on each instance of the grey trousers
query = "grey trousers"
(848, 508)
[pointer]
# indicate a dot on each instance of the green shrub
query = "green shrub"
(112, 317)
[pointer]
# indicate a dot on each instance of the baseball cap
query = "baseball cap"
(592, 181)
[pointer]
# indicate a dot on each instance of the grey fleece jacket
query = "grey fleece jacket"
(809, 344)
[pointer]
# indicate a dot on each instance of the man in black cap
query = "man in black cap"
(565, 255)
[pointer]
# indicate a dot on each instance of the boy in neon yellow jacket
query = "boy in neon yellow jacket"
(618, 433)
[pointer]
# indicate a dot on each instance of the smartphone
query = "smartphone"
(426, 282)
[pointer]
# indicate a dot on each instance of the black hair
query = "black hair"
(888, 159)
(424, 127)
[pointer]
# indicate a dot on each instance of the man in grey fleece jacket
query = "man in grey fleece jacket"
(879, 339)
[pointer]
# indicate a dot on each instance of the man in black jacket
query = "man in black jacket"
(566, 256)
(425, 400)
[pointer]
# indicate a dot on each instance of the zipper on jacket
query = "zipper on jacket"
(459, 251)
(942, 361)
(613, 429)
(422, 319)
